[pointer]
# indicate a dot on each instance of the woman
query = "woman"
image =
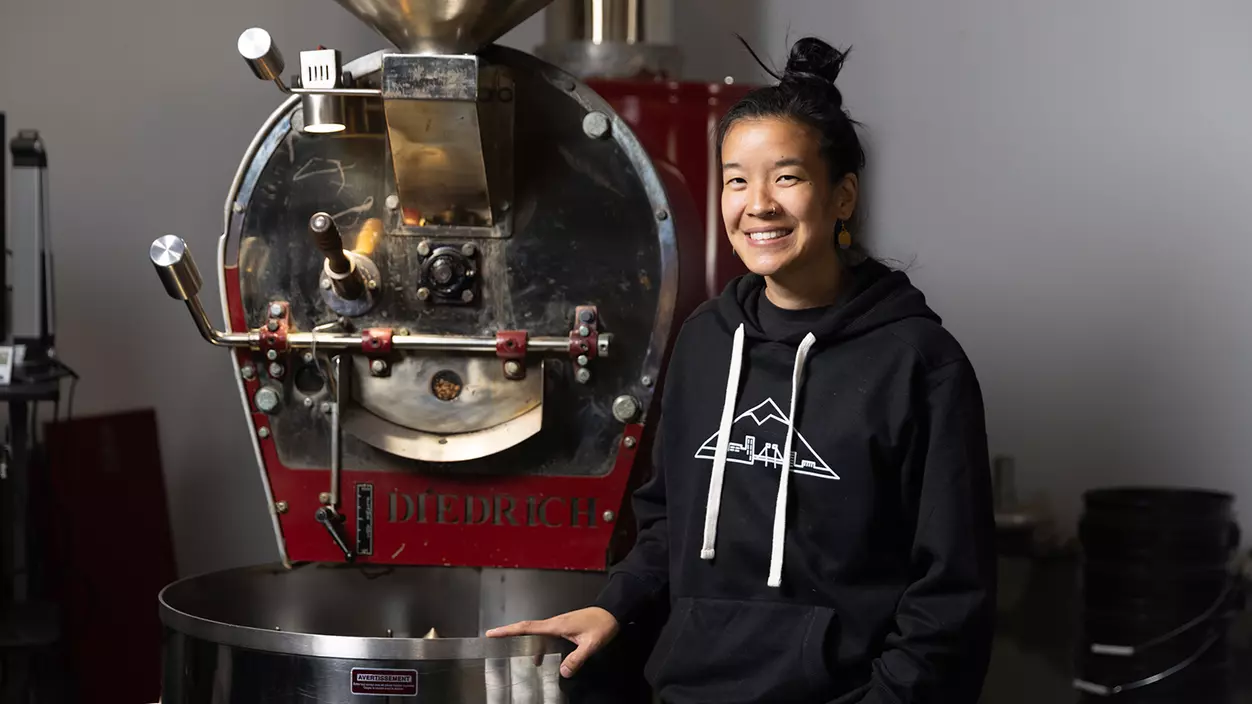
(846, 555)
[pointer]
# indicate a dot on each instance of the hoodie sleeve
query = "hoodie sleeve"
(944, 624)
(643, 575)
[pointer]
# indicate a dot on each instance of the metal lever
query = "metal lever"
(266, 61)
(172, 259)
(333, 520)
(339, 268)
(177, 270)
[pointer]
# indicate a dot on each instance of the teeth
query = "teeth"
(771, 235)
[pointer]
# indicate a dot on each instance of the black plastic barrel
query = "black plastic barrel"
(1158, 595)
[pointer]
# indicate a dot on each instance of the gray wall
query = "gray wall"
(1068, 181)
(1065, 180)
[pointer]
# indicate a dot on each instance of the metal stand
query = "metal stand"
(29, 624)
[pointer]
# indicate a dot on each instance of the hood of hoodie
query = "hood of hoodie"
(872, 297)
(802, 485)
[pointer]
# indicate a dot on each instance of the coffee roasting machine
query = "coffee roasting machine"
(450, 273)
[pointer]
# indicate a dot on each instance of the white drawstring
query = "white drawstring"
(707, 550)
(780, 505)
(723, 443)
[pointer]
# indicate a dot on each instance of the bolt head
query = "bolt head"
(467, 295)
(325, 407)
(378, 366)
(583, 375)
(276, 369)
(272, 326)
(423, 248)
(266, 400)
(647, 381)
(271, 355)
(423, 293)
(582, 360)
(609, 516)
(247, 371)
(324, 497)
(373, 284)
(392, 202)
(308, 403)
(584, 330)
(276, 310)
(512, 367)
(468, 249)
(281, 507)
(237, 207)
(263, 433)
(326, 284)
(596, 125)
(625, 408)
(662, 215)
(629, 442)
(308, 357)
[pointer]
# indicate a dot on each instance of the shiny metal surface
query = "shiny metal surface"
(612, 38)
(585, 208)
(587, 59)
(257, 48)
(484, 397)
(444, 115)
(271, 635)
(442, 26)
(175, 266)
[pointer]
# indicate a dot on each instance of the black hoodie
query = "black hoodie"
(876, 581)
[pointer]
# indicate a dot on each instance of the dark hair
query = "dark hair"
(806, 92)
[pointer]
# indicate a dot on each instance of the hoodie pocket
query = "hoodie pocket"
(715, 650)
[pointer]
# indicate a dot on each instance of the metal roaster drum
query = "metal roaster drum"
(449, 276)
(332, 633)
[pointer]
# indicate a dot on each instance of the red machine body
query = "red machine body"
(676, 121)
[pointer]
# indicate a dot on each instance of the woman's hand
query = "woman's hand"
(590, 629)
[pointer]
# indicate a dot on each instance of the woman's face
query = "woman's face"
(778, 201)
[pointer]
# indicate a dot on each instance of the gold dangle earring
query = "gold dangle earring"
(845, 237)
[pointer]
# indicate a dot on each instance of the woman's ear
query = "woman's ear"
(847, 192)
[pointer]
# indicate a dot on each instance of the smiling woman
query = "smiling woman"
(790, 170)
(874, 581)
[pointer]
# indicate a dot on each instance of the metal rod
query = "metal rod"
(355, 92)
(341, 394)
(207, 331)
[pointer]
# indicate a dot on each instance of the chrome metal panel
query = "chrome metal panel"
(485, 397)
(442, 26)
(271, 635)
(439, 448)
(449, 127)
(586, 231)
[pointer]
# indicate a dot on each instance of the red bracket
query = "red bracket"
(274, 332)
(511, 349)
(376, 341)
(580, 345)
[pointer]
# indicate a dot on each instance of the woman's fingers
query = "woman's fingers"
(525, 628)
(575, 660)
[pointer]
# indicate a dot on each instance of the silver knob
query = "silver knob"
(257, 48)
(625, 408)
(175, 266)
(266, 400)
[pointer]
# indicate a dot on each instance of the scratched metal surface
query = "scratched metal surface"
(584, 233)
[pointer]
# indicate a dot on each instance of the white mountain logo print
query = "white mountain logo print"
(746, 448)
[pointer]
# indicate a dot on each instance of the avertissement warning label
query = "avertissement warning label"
(387, 683)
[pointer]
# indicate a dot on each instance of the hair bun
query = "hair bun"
(812, 59)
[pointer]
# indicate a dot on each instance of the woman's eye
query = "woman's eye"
(789, 178)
